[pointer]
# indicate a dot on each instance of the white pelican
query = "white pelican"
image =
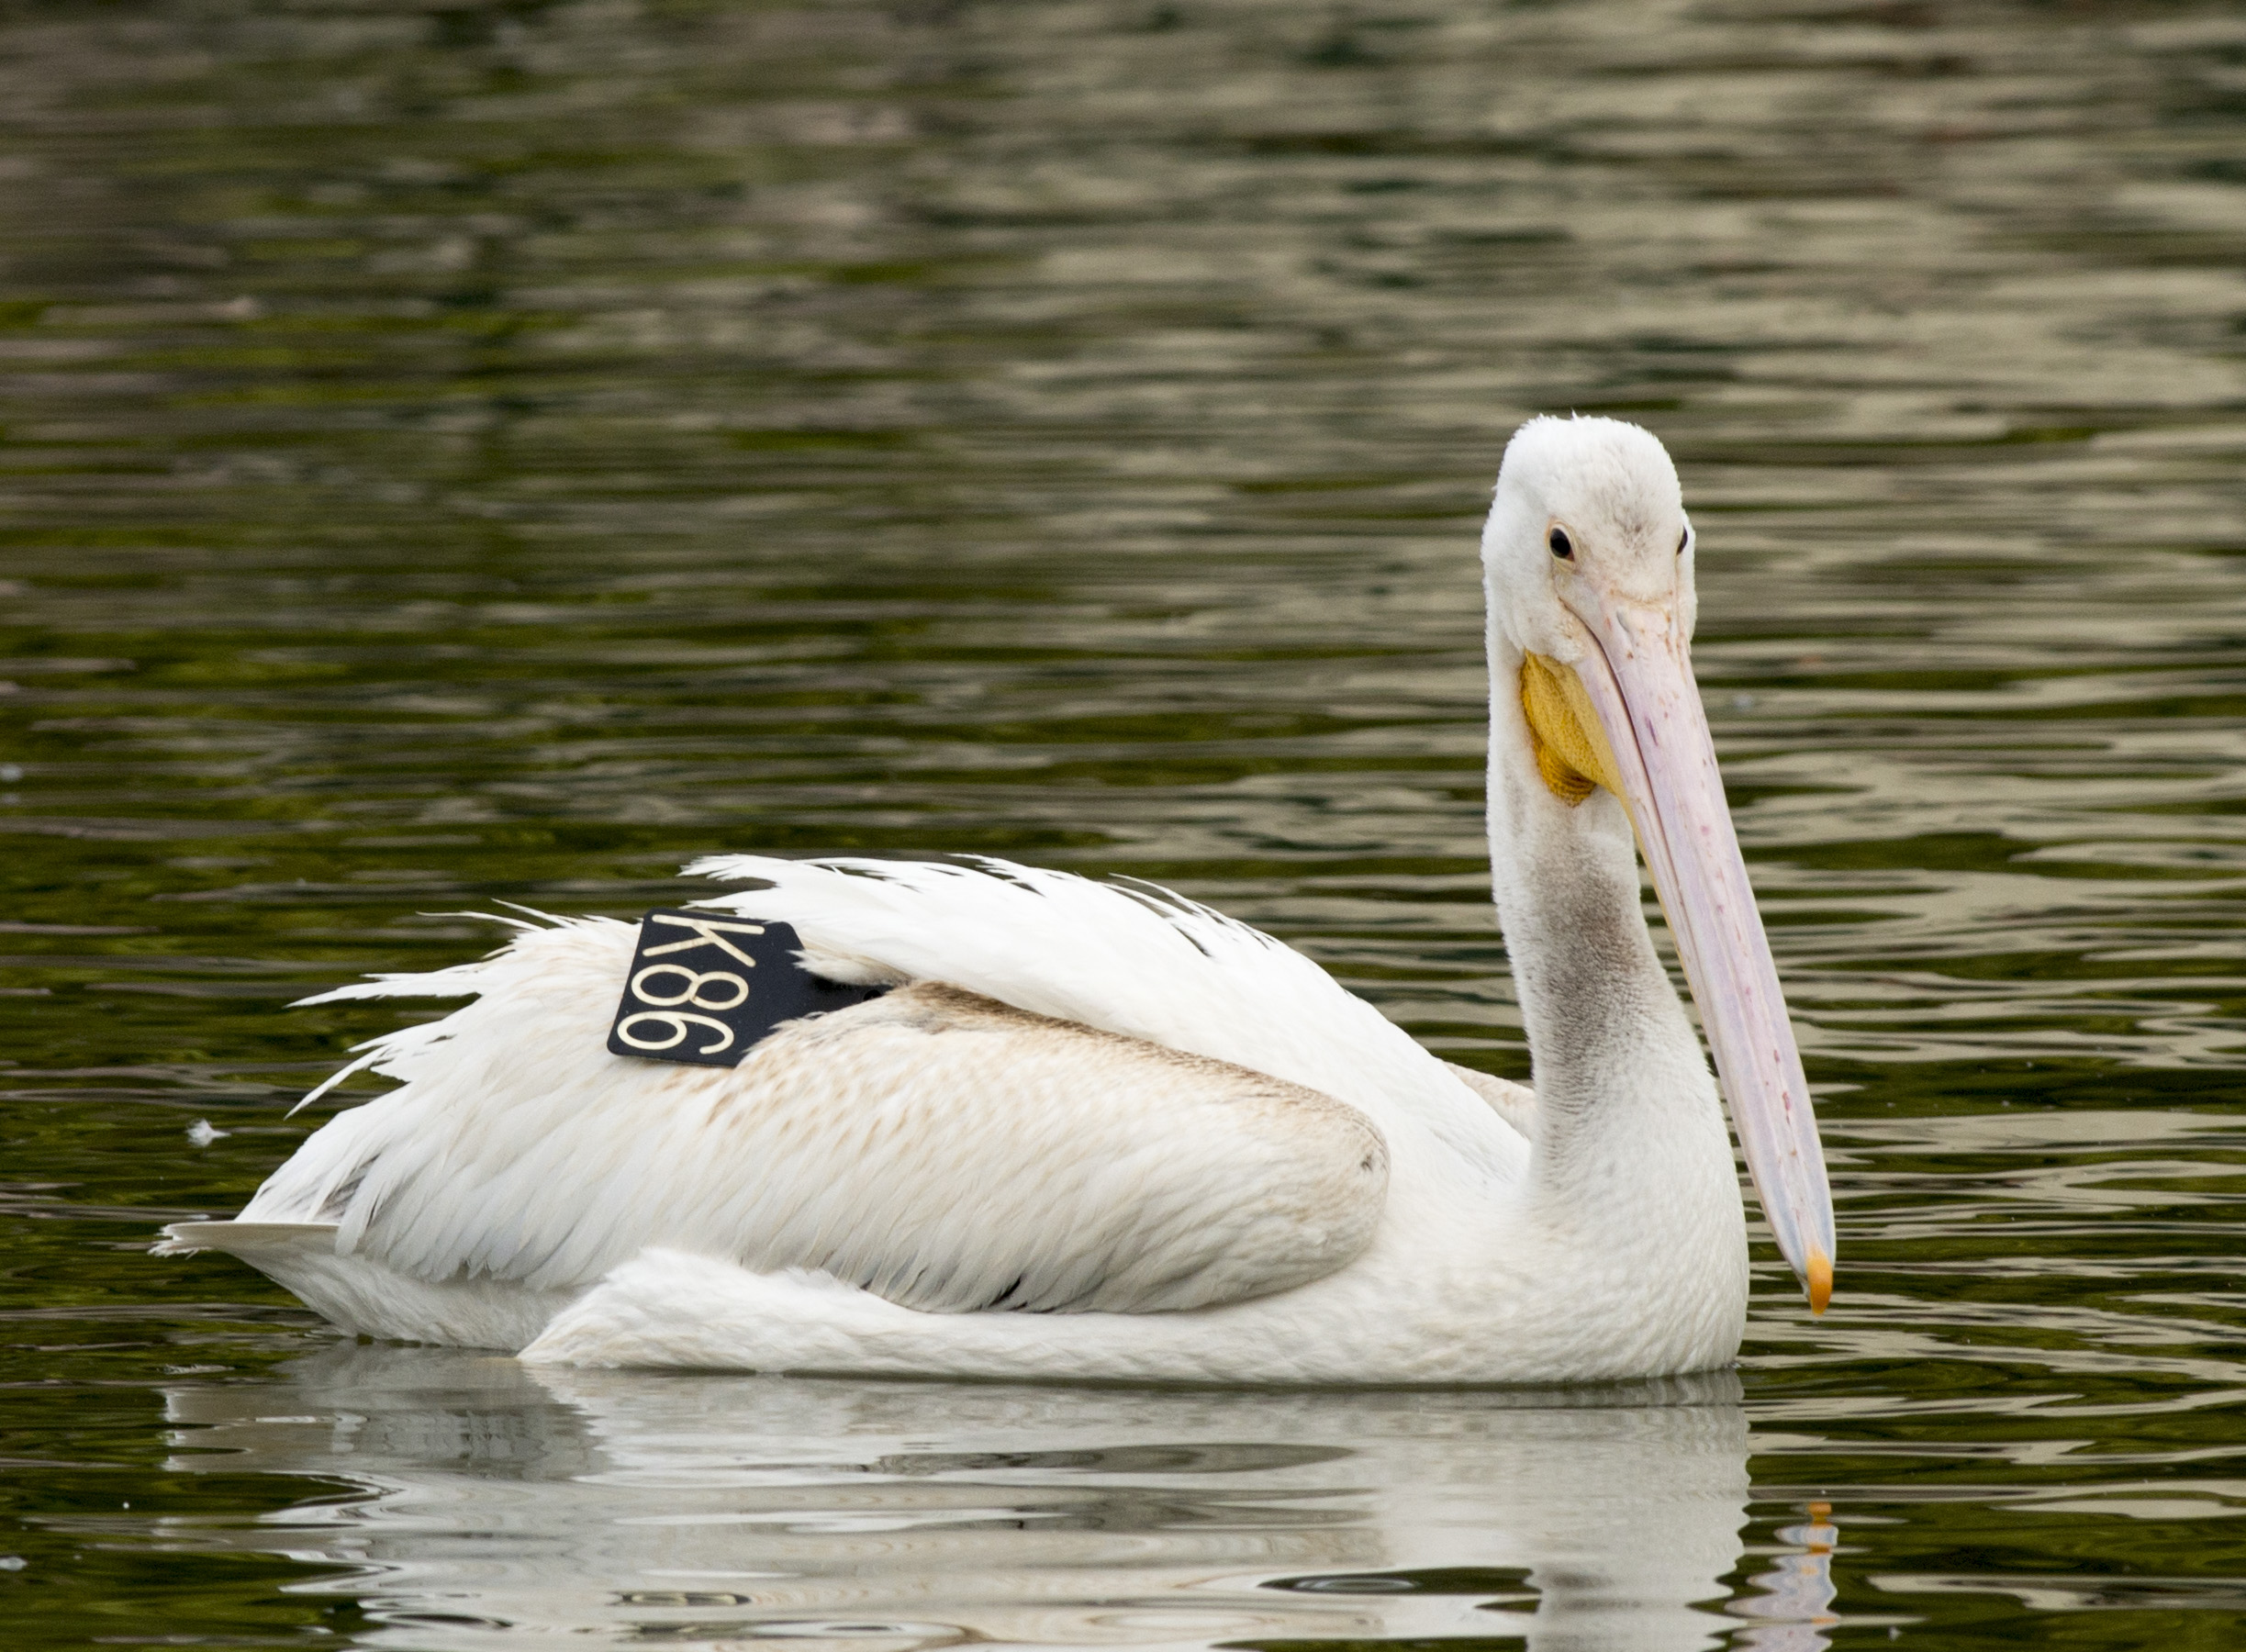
(1102, 1133)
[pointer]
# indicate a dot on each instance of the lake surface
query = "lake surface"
(465, 453)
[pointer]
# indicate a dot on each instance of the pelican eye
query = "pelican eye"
(1683, 540)
(1561, 546)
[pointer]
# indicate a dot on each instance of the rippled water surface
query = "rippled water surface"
(466, 452)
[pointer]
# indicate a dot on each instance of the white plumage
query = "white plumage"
(1093, 1130)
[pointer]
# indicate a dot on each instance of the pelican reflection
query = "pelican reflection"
(716, 1511)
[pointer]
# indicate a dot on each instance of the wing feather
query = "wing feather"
(1140, 961)
(946, 1150)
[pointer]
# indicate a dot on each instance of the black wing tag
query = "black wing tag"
(705, 987)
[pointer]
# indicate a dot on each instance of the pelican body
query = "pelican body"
(1098, 1132)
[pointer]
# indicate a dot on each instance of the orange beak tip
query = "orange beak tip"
(1819, 1276)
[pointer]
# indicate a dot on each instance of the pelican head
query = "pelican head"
(1588, 556)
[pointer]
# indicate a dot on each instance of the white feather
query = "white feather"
(1142, 960)
(937, 1149)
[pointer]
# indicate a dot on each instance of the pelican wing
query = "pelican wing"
(1137, 960)
(936, 1146)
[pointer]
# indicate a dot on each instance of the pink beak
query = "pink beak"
(1639, 680)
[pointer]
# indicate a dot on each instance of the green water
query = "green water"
(457, 453)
